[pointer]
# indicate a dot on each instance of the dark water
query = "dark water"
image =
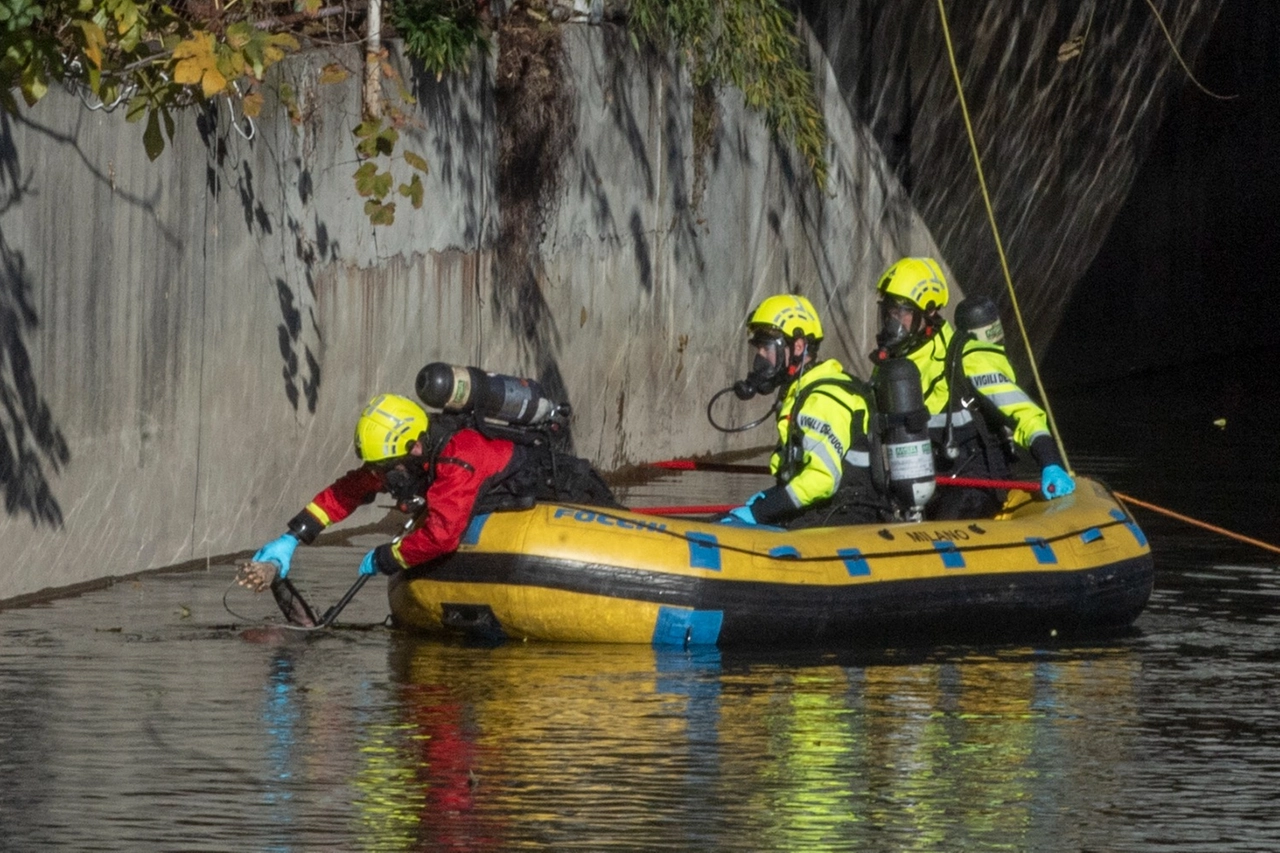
(147, 717)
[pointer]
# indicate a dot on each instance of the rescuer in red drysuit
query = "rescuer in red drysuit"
(470, 473)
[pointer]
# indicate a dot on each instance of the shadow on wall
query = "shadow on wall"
(533, 106)
(294, 338)
(30, 442)
(681, 235)
(459, 159)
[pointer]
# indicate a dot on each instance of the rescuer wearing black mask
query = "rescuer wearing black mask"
(821, 462)
(969, 387)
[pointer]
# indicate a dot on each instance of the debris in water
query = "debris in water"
(256, 576)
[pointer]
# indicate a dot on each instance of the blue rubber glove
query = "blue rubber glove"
(278, 551)
(380, 559)
(740, 515)
(1055, 482)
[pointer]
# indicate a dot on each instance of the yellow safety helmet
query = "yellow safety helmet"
(388, 427)
(794, 316)
(918, 280)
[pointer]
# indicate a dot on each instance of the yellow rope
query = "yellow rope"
(1169, 38)
(995, 232)
(1189, 520)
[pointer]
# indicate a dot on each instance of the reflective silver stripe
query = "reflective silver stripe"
(858, 458)
(819, 451)
(795, 499)
(811, 425)
(1009, 398)
(960, 418)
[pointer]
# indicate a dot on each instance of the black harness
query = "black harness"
(539, 471)
(989, 421)
(792, 453)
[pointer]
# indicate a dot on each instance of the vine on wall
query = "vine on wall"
(150, 58)
(154, 59)
(752, 45)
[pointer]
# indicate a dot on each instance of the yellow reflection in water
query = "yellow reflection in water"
(538, 744)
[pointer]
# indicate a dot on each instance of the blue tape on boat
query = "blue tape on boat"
(951, 558)
(1043, 551)
(854, 562)
(472, 536)
(676, 627)
(1093, 534)
(783, 551)
(1133, 528)
(704, 551)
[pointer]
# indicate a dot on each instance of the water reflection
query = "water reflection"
(719, 751)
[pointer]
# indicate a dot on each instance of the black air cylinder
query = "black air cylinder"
(489, 395)
(981, 316)
(900, 401)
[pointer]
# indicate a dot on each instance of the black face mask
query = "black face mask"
(894, 337)
(406, 483)
(764, 376)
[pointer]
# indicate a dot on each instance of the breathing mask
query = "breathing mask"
(406, 481)
(768, 363)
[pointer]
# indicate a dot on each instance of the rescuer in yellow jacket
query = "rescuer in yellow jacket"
(822, 460)
(969, 387)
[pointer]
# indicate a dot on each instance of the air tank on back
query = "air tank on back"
(906, 443)
(490, 395)
(981, 316)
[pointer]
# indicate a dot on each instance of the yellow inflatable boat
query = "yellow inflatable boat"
(560, 572)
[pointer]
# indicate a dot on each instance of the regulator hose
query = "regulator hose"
(731, 390)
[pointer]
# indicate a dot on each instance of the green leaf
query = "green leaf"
(136, 108)
(380, 214)
(126, 15)
(152, 140)
(241, 34)
(364, 177)
(34, 86)
(368, 132)
(371, 182)
(416, 161)
(386, 140)
(413, 192)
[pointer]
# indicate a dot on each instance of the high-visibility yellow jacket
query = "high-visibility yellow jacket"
(986, 399)
(822, 442)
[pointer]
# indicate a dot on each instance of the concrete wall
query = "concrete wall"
(187, 343)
